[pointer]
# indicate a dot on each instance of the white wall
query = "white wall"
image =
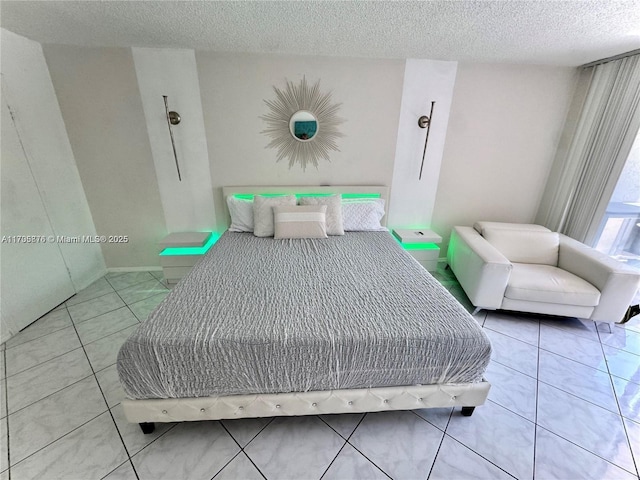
(100, 101)
(504, 128)
(187, 203)
(413, 196)
(234, 87)
(28, 89)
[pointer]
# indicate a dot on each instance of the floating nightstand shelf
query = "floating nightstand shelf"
(422, 244)
(181, 251)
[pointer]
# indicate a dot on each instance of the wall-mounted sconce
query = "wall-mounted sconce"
(173, 118)
(425, 122)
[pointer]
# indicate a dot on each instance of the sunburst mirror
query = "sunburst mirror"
(302, 123)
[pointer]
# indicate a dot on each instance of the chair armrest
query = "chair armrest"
(483, 272)
(617, 282)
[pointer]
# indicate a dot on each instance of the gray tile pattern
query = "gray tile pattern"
(41, 350)
(564, 404)
(49, 323)
(628, 394)
(584, 424)
(633, 431)
(123, 472)
(141, 291)
(344, 424)
(3, 400)
(522, 327)
(72, 456)
(38, 382)
(122, 280)
(622, 339)
(438, 417)
(95, 290)
(622, 364)
(94, 307)
(559, 458)
(239, 468)
(194, 450)
(133, 439)
(245, 430)
(353, 465)
(585, 382)
(104, 352)
(105, 324)
(573, 347)
(513, 390)
(457, 461)
(4, 446)
(402, 444)
(110, 385)
(143, 308)
(500, 436)
(41, 423)
(295, 447)
(514, 353)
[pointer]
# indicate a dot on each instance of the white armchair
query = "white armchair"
(529, 268)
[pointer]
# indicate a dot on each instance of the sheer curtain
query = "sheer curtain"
(584, 175)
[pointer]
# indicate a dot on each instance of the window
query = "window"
(619, 231)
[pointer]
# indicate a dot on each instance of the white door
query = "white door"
(33, 276)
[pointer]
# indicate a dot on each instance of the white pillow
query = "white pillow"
(334, 211)
(362, 215)
(263, 213)
(300, 221)
(241, 212)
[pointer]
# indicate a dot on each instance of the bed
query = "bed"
(270, 327)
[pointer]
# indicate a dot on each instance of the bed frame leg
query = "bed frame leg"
(467, 411)
(147, 427)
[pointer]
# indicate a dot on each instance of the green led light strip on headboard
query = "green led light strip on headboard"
(192, 250)
(249, 196)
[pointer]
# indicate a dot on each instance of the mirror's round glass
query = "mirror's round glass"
(303, 125)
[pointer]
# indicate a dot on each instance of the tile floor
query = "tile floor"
(565, 404)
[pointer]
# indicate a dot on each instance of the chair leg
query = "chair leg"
(632, 311)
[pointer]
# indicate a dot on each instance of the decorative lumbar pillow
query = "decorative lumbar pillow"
(525, 246)
(362, 215)
(334, 211)
(300, 221)
(241, 212)
(263, 213)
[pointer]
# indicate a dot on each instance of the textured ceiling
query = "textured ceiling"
(539, 32)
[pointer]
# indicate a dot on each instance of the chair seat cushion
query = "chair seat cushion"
(548, 284)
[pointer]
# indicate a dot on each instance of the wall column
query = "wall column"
(187, 204)
(412, 200)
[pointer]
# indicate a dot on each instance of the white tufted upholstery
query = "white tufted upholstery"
(548, 273)
(306, 403)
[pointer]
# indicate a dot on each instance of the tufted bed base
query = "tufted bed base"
(146, 412)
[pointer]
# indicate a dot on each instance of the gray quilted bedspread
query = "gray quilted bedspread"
(258, 315)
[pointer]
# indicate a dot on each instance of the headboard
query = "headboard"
(364, 191)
